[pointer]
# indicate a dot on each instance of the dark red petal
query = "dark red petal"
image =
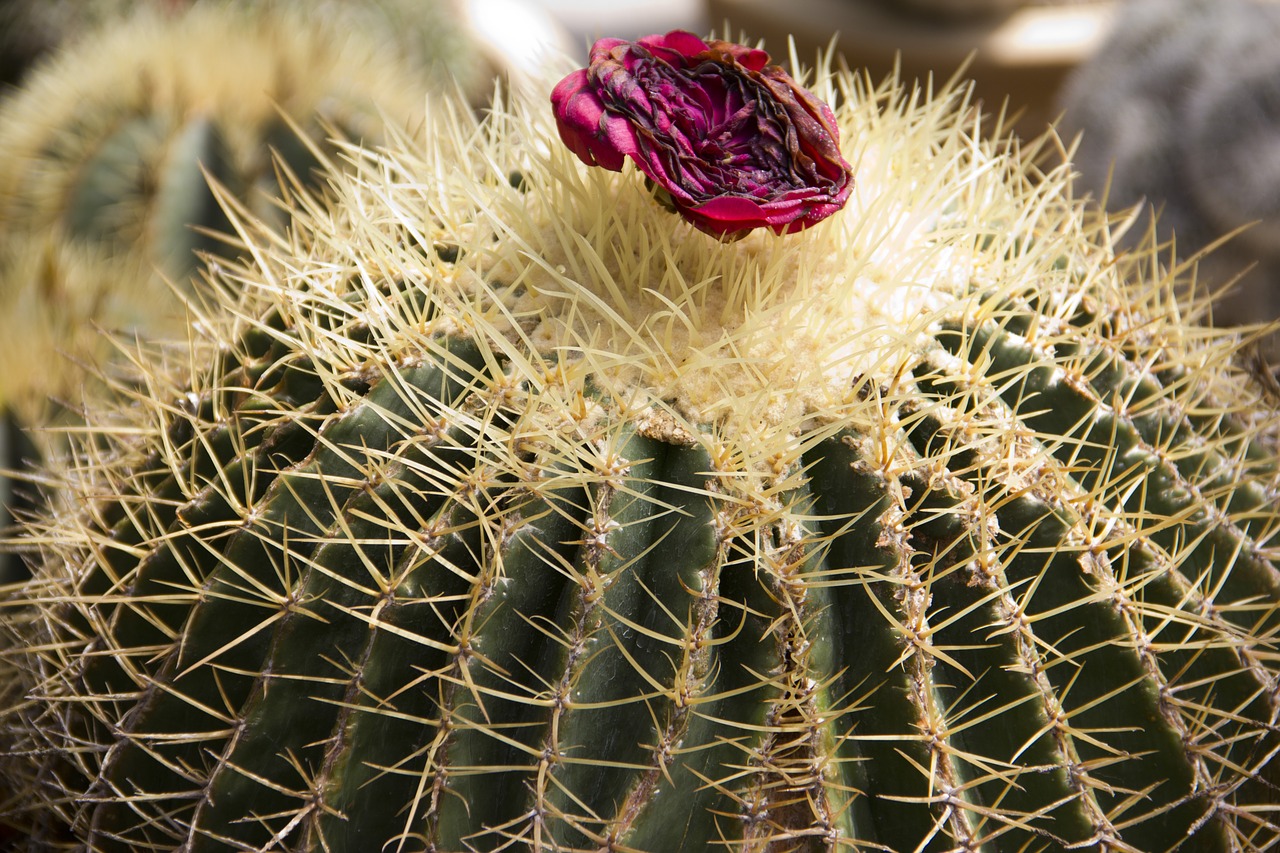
(733, 211)
(680, 42)
(585, 127)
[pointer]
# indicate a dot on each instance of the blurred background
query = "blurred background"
(587, 20)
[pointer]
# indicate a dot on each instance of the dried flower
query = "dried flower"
(735, 142)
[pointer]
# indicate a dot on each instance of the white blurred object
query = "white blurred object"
(588, 20)
(518, 37)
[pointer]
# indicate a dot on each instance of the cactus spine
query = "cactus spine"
(513, 514)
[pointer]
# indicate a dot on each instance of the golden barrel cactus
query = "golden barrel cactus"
(495, 508)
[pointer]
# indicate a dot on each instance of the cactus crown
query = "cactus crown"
(495, 508)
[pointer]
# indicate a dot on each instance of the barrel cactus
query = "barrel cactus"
(104, 202)
(110, 143)
(497, 508)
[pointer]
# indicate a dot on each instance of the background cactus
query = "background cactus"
(430, 35)
(103, 182)
(1178, 111)
(108, 142)
(498, 508)
(56, 299)
(30, 30)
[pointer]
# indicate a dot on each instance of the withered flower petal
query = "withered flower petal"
(734, 140)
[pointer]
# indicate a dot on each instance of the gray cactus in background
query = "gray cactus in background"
(1180, 110)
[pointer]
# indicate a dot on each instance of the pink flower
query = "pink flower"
(734, 141)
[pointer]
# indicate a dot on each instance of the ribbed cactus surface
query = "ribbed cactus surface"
(499, 509)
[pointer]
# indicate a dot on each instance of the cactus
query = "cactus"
(1177, 110)
(106, 153)
(496, 508)
(31, 30)
(56, 299)
(103, 178)
(108, 142)
(431, 35)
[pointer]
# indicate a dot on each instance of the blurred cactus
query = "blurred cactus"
(108, 141)
(55, 300)
(433, 35)
(103, 191)
(58, 301)
(30, 29)
(1180, 110)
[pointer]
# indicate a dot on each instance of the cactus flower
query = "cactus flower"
(734, 141)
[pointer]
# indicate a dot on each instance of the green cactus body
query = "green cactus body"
(526, 517)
